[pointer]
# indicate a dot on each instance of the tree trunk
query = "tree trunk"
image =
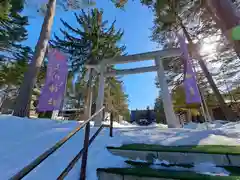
(87, 114)
(228, 113)
(189, 115)
(24, 98)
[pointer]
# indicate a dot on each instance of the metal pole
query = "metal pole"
(87, 129)
(111, 125)
(203, 102)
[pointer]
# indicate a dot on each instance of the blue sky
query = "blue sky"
(136, 21)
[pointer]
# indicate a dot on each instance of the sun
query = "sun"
(209, 46)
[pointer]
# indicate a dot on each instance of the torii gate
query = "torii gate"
(158, 56)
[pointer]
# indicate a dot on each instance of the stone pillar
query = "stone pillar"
(189, 116)
(55, 114)
(167, 100)
(100, 97)
(210, 109)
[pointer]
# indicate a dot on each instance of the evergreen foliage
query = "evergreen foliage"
(90, 42)
(12, 28)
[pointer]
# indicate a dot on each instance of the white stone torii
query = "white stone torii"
(158, 56)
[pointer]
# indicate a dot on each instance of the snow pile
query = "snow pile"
(119, 124)
(201, 168)
(161, 125)
(124, 124)
(216, 128)
(191, 134)
(115, 124)
(231, 129)
(153, 124)
(210, 169)
(91, 123)
(203, 126)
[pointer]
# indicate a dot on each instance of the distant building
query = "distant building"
(143, 117)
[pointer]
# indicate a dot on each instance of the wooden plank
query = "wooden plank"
(207, 149)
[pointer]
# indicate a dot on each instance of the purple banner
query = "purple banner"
(53, 91)
(190, 83)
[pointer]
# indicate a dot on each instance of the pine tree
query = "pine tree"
(12, 28)
(5, 7)
(12, 72)
(115, 99)
(92, 42)
(158, 109)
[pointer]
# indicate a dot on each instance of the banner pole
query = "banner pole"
(192, 89)
(203, 101)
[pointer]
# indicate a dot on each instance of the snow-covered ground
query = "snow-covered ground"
(22, 140)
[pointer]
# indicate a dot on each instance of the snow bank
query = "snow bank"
(203, 126)
(231, 129)
(201, 168)
(119, 124)
(192, 134)
(151, 125)
(124, 124)
(210, 169)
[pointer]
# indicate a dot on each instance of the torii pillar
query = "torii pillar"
(167, 100)
(100, 96)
